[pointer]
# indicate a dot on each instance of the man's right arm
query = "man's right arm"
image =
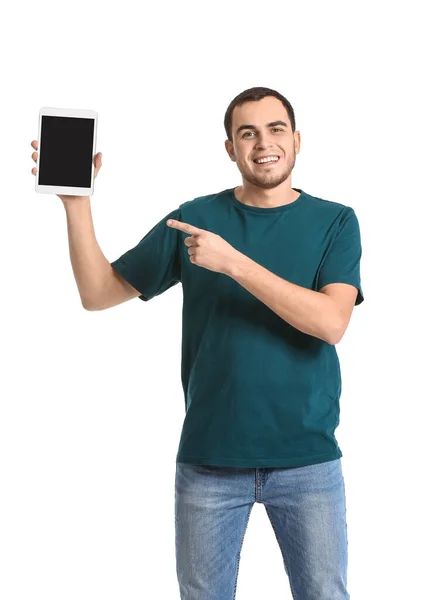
(99, 285)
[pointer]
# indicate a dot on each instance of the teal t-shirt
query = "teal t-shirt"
(258, 392)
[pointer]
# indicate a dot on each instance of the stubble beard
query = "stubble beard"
(268, 181)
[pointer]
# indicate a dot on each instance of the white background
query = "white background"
(87, 398)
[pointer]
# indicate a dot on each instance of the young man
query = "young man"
(270, 278)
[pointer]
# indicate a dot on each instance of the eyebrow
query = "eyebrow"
(272, 124)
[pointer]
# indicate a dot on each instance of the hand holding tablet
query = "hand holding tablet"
(97, 166)
(66, 162)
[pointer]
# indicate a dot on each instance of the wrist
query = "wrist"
(235, 266)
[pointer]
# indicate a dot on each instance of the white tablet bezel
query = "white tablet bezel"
(66, 112)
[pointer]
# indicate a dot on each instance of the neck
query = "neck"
(266, 198)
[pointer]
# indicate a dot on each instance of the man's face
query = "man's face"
(266, 137)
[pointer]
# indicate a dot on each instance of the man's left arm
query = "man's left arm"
(324, 314)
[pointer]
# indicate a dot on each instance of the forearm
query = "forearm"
(313, 313)
(90, 267)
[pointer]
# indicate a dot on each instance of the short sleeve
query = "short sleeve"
(341, 263)
(153, 266)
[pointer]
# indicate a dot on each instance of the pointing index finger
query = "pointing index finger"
(183, 226)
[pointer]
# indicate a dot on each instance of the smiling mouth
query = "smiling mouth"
(267, 163)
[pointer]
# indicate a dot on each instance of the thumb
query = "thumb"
(98, 162)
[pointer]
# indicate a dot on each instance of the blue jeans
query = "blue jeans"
(307, 510)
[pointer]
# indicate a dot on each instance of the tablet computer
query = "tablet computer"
(66, 148)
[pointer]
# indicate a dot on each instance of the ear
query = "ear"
(297, 141)
(229, 149)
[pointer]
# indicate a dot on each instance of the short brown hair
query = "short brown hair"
(254, 94)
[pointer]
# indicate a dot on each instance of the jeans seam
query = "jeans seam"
(239, 553)
(282, 552)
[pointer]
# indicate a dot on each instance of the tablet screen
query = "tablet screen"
(66, 151)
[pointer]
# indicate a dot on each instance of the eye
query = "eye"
(274, 129)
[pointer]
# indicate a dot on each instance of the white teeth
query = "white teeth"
(268, 159)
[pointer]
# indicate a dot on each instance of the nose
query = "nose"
(263, 141)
